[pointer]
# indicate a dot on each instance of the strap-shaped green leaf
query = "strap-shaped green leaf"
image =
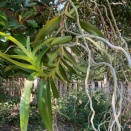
(17, 43)
(54, 89)
(61, 40)
(28, 44)
(27, 66)
(44, 103)
(73, 70)
(19, 51)
(52, 56)
(57, 73)
(88, 27)
(41, 102)
(80, 68)
(68, 56)
(62, 72)
(25, 105)
(23, 57)
(70, 68)
(41, 54)
(39, 45)
(48, 28)
(48, 103)
(76, 50)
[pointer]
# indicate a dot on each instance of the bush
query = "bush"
(75, 108)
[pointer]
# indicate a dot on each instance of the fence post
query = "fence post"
(60, 85)
(129, 95)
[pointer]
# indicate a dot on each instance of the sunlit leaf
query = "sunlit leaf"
(28, 66)
(25, 105)
(44, 104)
(47, 28)
(18, 44)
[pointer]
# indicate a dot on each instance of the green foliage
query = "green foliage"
(44, 103)
(29, 61)
(3, 19)
(47, 29)
(25, 105)
(75, 108)
(34, 47)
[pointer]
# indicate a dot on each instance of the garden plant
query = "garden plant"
(75, 40)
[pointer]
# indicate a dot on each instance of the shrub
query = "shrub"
(75, 108)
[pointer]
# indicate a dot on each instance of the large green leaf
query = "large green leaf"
(68, 56)
(27, 66)
(88, 27)
(41, 54)
(23, 57)
(25, 105)
(57, 73)
(39, 45)
(18, 44)
(61, 40)
(48, 103)
(44, 103)
(69, 67)
(54, 89)
(63, 72)
(19, 51)
(48, 28)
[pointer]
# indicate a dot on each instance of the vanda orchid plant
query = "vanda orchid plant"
(48, 57)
